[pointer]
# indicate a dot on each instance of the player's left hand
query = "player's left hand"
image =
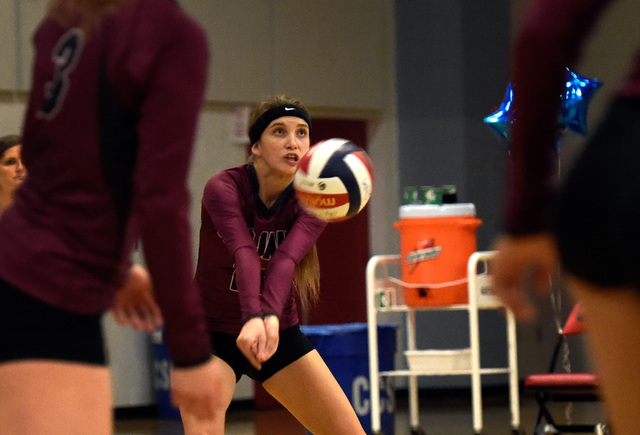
(272, 331)
(135, 304)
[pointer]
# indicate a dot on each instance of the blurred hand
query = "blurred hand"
(134, 304)
(523, 264)
(252, 340)
(196, 392)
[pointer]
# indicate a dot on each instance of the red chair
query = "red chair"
(555, 386)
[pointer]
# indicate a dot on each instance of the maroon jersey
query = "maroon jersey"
(248, 252)
(107, 139)
(551, 39)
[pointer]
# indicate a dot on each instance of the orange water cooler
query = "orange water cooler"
(436, 242)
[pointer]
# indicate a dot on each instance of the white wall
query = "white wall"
(11, 112)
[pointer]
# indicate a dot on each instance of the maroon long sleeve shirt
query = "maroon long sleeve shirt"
(108, 137)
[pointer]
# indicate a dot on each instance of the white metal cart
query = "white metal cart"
(382, 296)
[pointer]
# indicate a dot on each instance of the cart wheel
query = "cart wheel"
(418, 431)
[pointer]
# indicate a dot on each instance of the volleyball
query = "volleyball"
(334, 180)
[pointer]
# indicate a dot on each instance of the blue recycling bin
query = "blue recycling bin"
(162, 377)
(345, 349)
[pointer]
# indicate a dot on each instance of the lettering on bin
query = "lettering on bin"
(162, 378)
(362, 405)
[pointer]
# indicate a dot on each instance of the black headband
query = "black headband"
(274, 113)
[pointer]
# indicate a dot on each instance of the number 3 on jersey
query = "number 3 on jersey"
(65, 56)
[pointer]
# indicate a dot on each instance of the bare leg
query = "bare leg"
(40, 397)
(611, 316)
(195, 426)
(309, 391)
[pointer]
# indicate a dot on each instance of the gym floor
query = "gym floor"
(441, 413)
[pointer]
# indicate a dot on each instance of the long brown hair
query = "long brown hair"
(306, 278)
(7, 142)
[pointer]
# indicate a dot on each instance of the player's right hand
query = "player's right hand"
(524, 266)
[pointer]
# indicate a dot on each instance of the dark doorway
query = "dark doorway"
(343, 247)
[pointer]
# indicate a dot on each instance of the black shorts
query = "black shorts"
(292, 346)
(32, 329)
(598, 222)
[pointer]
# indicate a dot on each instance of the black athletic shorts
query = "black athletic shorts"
(598, 222)
(292, 346)
(32, 329)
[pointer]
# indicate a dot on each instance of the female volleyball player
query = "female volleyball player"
(12, 171)
(116, 91)
(257, 249)
(596, 230)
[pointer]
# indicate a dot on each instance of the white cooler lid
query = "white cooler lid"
(437, 210)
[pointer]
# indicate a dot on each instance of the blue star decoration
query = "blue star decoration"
(575, 99)
(501, 120)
